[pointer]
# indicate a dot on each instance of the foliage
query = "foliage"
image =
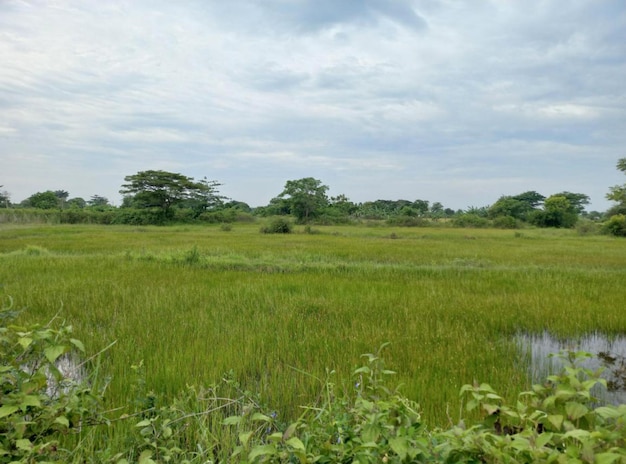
(577, 201)
(5, 198)
(505, 222)
(616, 225)
(162, 189)
(305, 197)
(278, 225)
(42, 200)
(559, 421)
(557, 212)
(617, 193)
(470, 220)
(98, 201)
(40, 403)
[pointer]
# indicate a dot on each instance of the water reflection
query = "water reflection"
(609, 352)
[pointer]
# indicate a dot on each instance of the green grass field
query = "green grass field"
(196, 302)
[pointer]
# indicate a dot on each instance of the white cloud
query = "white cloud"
(365, 92)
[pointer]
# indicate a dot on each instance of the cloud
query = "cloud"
(443, 100)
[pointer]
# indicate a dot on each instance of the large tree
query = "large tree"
(162, 189)
(557, 211)
(43, 200)
(4, 198)
(578, 201)
(617, 193)
(305, 197)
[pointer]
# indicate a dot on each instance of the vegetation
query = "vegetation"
(47, 415)
(215, 315)
(157, 197)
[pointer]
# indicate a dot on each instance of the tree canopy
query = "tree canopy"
(162, 189)
(617, 193)
(304, 197)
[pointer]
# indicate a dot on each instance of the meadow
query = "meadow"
(279, 313)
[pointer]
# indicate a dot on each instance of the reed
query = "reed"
(194, 303)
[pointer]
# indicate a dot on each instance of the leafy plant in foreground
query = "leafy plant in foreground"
(40, 404)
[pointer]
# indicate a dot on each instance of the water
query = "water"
(608, 352)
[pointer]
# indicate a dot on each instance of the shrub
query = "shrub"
(616, 225)
(278, 225)
(470, 220)
(587, 227)
(505, 222)
(408, 221)
(40, 401)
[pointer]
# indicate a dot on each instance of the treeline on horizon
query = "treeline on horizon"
(156, 197)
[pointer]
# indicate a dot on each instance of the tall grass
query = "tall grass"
(196, 302)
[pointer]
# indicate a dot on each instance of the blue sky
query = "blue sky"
(442, 100)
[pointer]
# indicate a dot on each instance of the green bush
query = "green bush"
(471, 221)
(616, 225)
(278, 225)
(40, 402)
(505, 222)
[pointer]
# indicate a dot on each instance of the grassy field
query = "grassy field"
(196, 302)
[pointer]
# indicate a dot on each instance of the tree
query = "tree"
(578, 201)
(531, 198)
(4, 198)
(305, 197)
(342, 204)
(98, 201)
(62, 196)
(77, 202)
(617, 193)
(557, 212)
(162, 189)
(43, 200)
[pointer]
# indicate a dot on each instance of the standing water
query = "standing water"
(608, 353)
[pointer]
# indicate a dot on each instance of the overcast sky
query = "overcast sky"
(442, 100)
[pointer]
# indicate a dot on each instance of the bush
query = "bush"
(44, 395)
(505, 222)
(470, 220)
(587, 227)
(408, 221)
(616, 225)
(278, 226)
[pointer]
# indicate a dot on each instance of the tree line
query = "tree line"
(159, 197)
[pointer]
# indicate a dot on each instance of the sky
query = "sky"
(450, 101)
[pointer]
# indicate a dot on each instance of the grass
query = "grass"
(196, 302)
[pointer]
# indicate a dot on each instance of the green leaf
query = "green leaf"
(24, 444)
(607, 412)
(556, 420)
(543, 439)
(244, 438)
(295, 443)
(30, 400)
(25, 342)
(607, 458)
(143, 423)
(146, 457)
(490, 408)
(575, 410)
(400, 446)
(78, 344)
(257, 416)
(7, 410)
(232, 420)
(579, 434)
(63, 421)
(290, 431)
(268, 450)
(53, 352)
